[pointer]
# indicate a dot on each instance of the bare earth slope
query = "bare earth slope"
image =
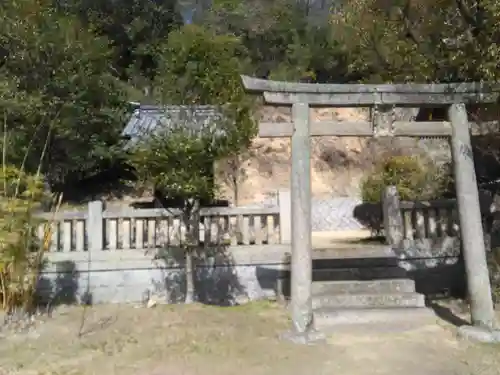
(337, 164)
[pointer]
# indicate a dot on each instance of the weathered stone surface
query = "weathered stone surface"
(375, 300)
(330, 318)
(471, 229)
(217, 285)
(371, 273)
(304, 338)
(368, 286)
(301, 260)
(428, 253)
(479, 334)
(393, 219)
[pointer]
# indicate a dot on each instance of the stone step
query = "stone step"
(371, 256)
(368, 300)
(385, 319)
(353, 262)
(347, 251)
(367, 286)
(358, 273)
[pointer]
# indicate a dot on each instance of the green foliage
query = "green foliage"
(21, 195)
(177, 162)
(21, 255)
(134, 28)
(58, 97)
(494, 271)
(197, 67)
(413, 179)
(423, 41)
(281, 41)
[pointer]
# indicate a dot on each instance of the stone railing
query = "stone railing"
(425, 235)
(432, 223)
(110, 255)
(99, 229)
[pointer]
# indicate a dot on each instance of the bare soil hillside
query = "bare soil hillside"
(337, 164)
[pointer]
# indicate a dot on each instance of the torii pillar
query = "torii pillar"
(301, 306)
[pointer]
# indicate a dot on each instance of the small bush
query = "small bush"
(21, 254)
(494, 270)
(413, 178)
(370, 215)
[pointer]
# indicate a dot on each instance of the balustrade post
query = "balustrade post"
(95, 226)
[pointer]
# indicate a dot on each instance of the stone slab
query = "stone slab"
(358, 273)
(479, 334)
(346, 250)
(368, 300)
(327, 319)
(367, 286)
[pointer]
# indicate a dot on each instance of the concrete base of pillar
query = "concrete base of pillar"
(310, 337)
(479, 334)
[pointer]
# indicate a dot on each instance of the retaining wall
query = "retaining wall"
(224, 277)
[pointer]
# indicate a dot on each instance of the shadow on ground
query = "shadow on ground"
(447, 314)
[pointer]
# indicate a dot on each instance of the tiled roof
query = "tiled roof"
(148, 119)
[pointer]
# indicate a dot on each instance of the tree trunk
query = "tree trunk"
(236, 192)
(190, 274)
(192, 222)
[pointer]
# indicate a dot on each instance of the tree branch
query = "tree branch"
(404, 13)
(381, 58)
(473, 22)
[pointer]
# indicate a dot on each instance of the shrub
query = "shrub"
(370, 215)
(413, 177)
(21, 255)
(494, 270)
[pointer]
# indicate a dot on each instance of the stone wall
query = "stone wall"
(224, 277)
(328, 214)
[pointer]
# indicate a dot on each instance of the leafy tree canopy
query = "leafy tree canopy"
(282, 42)
(197, 66)
(58, 96)
(134, 28)
(422, 41)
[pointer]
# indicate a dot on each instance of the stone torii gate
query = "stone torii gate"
(382, 99)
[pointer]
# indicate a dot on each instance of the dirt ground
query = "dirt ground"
(335, 239)
(197, 339)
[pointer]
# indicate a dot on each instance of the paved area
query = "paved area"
(329, 214)
(342, 239)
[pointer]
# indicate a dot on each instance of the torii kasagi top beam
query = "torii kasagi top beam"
(359, 95)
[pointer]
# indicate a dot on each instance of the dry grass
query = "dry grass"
(243, 340)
